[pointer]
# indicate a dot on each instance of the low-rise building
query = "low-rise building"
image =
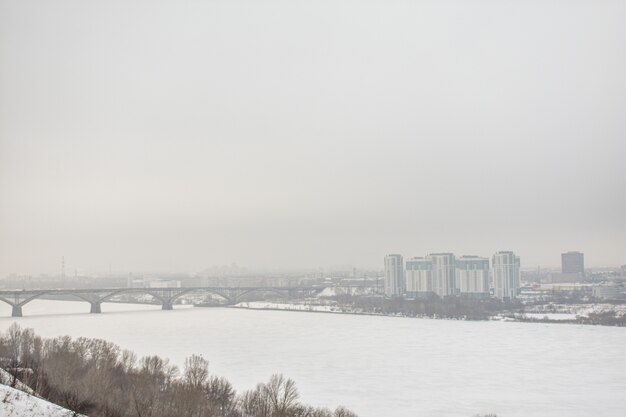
(610, 291)
(159, 283)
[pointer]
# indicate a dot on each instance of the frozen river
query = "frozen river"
(377, 366)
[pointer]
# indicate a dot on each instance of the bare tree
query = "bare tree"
(343, 412)
(221, 396)
(282, 395)
(254, 403)
(196, 371)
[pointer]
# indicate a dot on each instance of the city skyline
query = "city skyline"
(444, 274)
(71, 267)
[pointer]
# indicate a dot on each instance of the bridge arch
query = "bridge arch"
(166, 296)
(7, 301)
(154, 294)
(94, 299)
(283, 293)
(16, 310)
(206, 290)
(18, 302)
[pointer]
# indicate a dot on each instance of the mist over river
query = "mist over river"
(376, 366)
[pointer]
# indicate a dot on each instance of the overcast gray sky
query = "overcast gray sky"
(174, 135)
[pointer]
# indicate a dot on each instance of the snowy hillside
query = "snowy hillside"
(7, 379)
(21, 403)
(15, 403)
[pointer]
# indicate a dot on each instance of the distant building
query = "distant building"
(443, 273)
(394, 276)
(161, 283)
(133, 282)
(505, 275)
(472, 276)
(610, 291)
(573, 263)
(419, 277)
(566, 287)
(562, 278)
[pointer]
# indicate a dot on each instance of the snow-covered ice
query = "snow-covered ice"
(378, 366)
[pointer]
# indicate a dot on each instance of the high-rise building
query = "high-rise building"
(505, 275)
(419, 277)
(472, 276)
(573, 263)
(394, 276)
(443, 273)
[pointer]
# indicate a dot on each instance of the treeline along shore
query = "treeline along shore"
(97, 378)
(455, 308)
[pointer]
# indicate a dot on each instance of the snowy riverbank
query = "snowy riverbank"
(552, 314)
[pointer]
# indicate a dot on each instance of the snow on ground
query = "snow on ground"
(335, 291)
(16, 403)
(551, 316)
(572, 310)
(263, 305)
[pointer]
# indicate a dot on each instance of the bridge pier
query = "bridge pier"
(96, 308)
(167, 305)
(16, 311)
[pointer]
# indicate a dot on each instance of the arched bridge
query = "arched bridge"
(166, 296)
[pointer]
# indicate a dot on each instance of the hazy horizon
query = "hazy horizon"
(160, 136)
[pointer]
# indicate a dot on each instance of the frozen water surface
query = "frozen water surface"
(377, 366)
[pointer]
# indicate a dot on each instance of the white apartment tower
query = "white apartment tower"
(443, 265)
(505, 275)
(472, 276)
(419, 277)
(394, 276)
